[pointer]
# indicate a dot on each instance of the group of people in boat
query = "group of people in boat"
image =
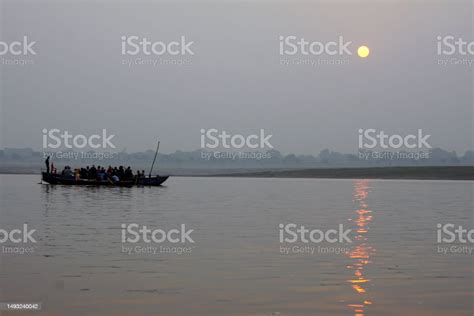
(101, 174)
(98, 173)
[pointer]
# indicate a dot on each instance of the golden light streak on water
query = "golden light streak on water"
(361, 252)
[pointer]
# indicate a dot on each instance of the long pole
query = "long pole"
(156, 153)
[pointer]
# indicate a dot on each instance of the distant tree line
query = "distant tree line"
(268, 159)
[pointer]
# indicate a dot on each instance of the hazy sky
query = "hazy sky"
(234, 81)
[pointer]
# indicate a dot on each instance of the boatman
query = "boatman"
(47, 164)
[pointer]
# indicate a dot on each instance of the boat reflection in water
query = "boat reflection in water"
(361, 251)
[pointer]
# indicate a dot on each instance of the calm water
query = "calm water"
(235, 266)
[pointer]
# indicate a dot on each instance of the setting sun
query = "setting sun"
(363, 51)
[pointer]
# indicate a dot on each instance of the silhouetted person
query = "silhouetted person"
(83, 173)
(47, 164)
(128, 173)
(121, 172)
(93, 173)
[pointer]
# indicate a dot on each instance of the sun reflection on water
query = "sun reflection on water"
(361, 253)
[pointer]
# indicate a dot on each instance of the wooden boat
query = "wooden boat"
(52, 178)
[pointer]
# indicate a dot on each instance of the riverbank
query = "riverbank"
(415, 173)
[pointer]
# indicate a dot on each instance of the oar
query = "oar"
(110, 181)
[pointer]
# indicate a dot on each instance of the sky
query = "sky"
(235, 81)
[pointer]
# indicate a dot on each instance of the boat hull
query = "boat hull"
(153, 181)
(58, 179)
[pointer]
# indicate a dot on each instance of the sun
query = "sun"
(363, 51)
